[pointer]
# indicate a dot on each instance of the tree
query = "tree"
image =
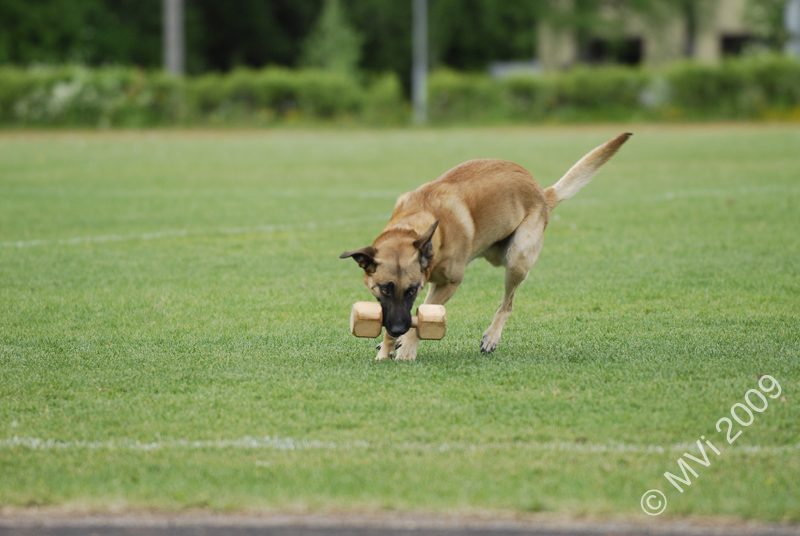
(693, 14)
(86, 31)
(385, 27)
(462, 34)
(224, 35)
(767, 18)
(333, 44)
(469, 34)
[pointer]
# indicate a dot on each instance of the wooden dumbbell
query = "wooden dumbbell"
(366, 320)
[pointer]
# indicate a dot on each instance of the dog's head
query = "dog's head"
(396, 267)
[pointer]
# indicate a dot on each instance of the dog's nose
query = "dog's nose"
(396, 330)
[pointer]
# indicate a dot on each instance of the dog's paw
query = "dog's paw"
(384, 352)
(488, 343)
(408, 352)
(405, 356)
(406, 349)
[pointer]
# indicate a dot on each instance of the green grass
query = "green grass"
(171, 287)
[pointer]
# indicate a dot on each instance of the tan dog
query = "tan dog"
(482, 208)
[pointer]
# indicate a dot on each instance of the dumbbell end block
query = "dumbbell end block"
(431, 321)
(366, 319)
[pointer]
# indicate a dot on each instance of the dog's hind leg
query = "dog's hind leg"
(522, 252)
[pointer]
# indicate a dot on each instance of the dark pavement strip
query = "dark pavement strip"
(263, 531)
(222, 530)
(27, 523)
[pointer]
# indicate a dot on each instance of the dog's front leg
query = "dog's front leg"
(387, 347)
(407, 349)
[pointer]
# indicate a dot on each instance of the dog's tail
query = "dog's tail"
(581, 173)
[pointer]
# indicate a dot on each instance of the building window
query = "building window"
(734, 45)
(627, 51)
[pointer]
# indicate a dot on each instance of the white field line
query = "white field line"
(270, 228)
(276, 443)
(698, 193)
(132, 193)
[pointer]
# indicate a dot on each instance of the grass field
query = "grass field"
(173, 326)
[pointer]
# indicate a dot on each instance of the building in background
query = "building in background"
(702, 32)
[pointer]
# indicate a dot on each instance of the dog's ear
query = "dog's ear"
(425, 246)
(365, 257)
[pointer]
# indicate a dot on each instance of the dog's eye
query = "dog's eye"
(386, 291)
(412, 291)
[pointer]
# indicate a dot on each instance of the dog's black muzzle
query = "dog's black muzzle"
(396, 318)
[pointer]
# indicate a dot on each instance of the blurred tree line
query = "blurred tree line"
(370, 35)
(223, 35)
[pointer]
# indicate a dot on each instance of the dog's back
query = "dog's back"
(486, 199)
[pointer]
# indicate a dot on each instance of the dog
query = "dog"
(482, 208)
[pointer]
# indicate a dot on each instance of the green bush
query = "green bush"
(778, 77)
(326, 94)
(74, 95)
(115, 96)
(472, 97)
(384, 103)
(583, 89)
(697, 86)
(598, 87)
(529, 97)
(743, 88)
(275, 93)
(750, 87)
(456, 96)
(14, 84)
